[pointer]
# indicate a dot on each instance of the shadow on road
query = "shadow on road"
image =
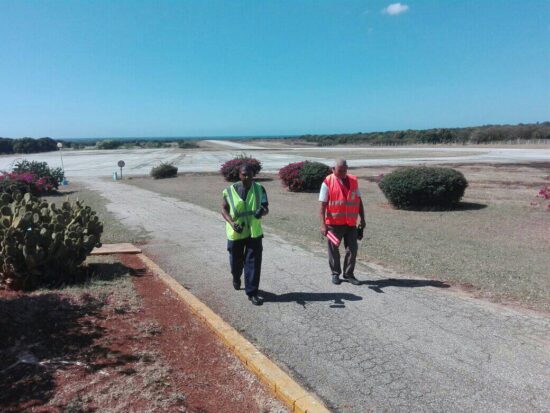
(378, 285)
(337, 299)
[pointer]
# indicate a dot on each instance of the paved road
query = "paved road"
(97, 163)
(388, 345)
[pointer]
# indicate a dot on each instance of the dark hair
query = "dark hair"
(246, 168)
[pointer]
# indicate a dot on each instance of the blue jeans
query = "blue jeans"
(246, 254)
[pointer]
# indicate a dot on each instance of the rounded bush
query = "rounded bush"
(423, 187)
(164, 170)
(41, 243)
(230, 169)
(304, 176)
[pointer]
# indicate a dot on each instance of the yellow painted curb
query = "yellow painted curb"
(281, 384)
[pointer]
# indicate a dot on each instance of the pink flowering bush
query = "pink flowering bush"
(230, 169)
(543, 196)
(304, 176)
(24, 182)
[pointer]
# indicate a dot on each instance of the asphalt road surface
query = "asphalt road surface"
(96, 163)
(389, 345)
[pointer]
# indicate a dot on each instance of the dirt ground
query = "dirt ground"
(121, 342)
(496, 243)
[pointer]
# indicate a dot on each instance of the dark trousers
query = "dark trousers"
(246, 253)
(349, 234)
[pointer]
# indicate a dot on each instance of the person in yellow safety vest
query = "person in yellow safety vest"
(244, 205)
(341, 204)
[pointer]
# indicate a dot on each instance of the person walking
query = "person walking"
(244, 205)
(341, 204)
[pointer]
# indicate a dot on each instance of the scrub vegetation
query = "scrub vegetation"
(424, 187)
(164, 170)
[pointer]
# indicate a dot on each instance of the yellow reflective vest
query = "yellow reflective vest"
(242, 212)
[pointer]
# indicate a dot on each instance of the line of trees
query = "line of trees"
(27, 145)
(474, 135)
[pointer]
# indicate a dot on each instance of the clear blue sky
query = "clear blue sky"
(261, 67)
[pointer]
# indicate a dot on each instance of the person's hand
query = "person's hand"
(363, 224)
(324, 230)
(237, 227)
(259, 212)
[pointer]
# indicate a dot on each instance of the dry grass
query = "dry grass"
(497, 242)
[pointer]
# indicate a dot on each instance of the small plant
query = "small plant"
(42, 172)
(230, 169)
(164, 170)
(423, 187)
(304, 176)
(41, 244)
(187, 145)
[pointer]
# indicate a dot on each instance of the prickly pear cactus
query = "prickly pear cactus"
(41, 243)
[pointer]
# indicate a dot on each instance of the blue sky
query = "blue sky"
(259, 67)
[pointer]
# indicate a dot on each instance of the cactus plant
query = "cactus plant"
(41, 243)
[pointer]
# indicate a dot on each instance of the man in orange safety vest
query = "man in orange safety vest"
(341, 204)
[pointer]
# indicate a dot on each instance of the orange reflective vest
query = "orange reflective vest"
(343, 203)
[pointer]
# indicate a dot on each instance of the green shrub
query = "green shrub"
(304, 176)
(41, 171)
(41, 244)
(187, 145)
(164, 170)
(423, 187)
(109, 144)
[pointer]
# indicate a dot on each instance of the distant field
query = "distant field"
(497, 242)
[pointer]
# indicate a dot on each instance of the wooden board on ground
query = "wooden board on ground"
(124, 248)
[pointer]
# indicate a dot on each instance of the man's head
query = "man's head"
(246, 173)
(340, 168)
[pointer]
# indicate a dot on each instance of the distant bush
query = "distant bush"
(109, 144)
(164, 170)
(6, 146)
(44, 175)
(230, 169)
(152, 144)
(41, 244)
(423, 187)
(304, 176)
(187, 145)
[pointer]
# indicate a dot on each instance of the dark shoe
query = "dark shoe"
(254, 299)
(352, 280)
(237, 284)
(336, 279)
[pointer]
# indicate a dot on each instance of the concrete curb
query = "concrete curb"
(283, 386)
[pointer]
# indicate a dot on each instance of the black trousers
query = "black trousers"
(246, 254)
(349, 234)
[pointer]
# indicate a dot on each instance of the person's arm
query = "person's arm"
(323, 199)
(322, 213)
(264, 202)
(362, 213)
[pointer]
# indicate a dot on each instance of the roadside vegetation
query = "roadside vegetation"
(533, 132)
(423, 187)
(494, 242)
(304, 176)
(164, 170)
